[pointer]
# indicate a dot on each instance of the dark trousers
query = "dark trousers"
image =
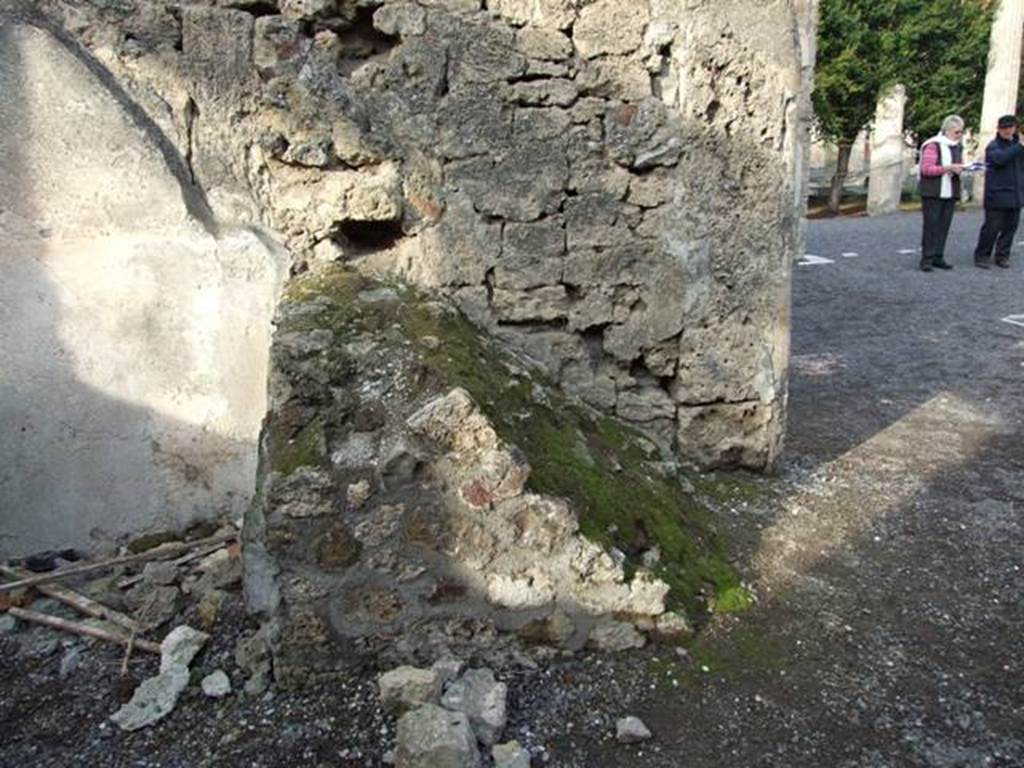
(938, 215)
(998, 230)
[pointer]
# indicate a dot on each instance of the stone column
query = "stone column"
(1003, 76)
(885, 184)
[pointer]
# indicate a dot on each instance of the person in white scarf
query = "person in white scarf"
(941, 165)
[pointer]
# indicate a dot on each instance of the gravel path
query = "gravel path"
(887, 560)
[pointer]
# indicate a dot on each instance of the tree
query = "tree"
(938, 49)
(939, 52)
(848, 77)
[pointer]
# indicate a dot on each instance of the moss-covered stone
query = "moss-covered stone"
(600, 465)
(307, 448)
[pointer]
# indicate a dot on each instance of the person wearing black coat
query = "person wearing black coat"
(1004, 195)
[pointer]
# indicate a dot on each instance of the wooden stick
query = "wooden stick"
(127, 654)
(132, 580)
(55, 622)
(157, 553)
(79, 602)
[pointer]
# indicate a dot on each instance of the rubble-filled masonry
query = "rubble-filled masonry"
(609, 186)
(610, 189)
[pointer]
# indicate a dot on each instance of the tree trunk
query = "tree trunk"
(835, 197)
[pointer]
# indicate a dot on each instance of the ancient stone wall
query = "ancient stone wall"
(611, 187)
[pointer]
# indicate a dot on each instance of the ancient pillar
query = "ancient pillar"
(1003, 77)
(885, 183)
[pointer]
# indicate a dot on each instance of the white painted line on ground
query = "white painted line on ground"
(850, 254)
(905, 251)
(810, 259)
(1014, 320)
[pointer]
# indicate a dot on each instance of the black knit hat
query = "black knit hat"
(1007, 121)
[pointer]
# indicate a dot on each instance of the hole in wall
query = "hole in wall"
(256, 7)
(362, 237)
(361, 40)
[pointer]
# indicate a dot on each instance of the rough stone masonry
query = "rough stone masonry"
(612, 188)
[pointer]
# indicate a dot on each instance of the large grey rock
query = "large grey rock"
(482, 699)
(181, 646)
(152, 700)
(432, 737)
(406, 688)
(630, 730)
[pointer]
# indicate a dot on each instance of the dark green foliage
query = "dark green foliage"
(938, 49)
(848, 73)
(940, 53)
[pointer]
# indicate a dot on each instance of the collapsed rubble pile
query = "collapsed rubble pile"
(137, 596)
(447, 715)
(423, 493)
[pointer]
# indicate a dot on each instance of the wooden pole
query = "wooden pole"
(79, 602)
(55, 622)
(157, 553)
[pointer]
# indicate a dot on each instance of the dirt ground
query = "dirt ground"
(887, 561)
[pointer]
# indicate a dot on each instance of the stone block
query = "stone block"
(532, 255)
(545, 303)
(482, 699)
(401, 19)
(728, 434)
(279, 47)
(407, 688)
(610, 27)
(615, 77)
(432, 737)
(483, 52)
(727, 361)
(543, 43)
(592, 308)
(459, 250)
(474, 119)
(520, 184)
(376, 195)
(545, 14)
(645, 405)
(551, 92)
